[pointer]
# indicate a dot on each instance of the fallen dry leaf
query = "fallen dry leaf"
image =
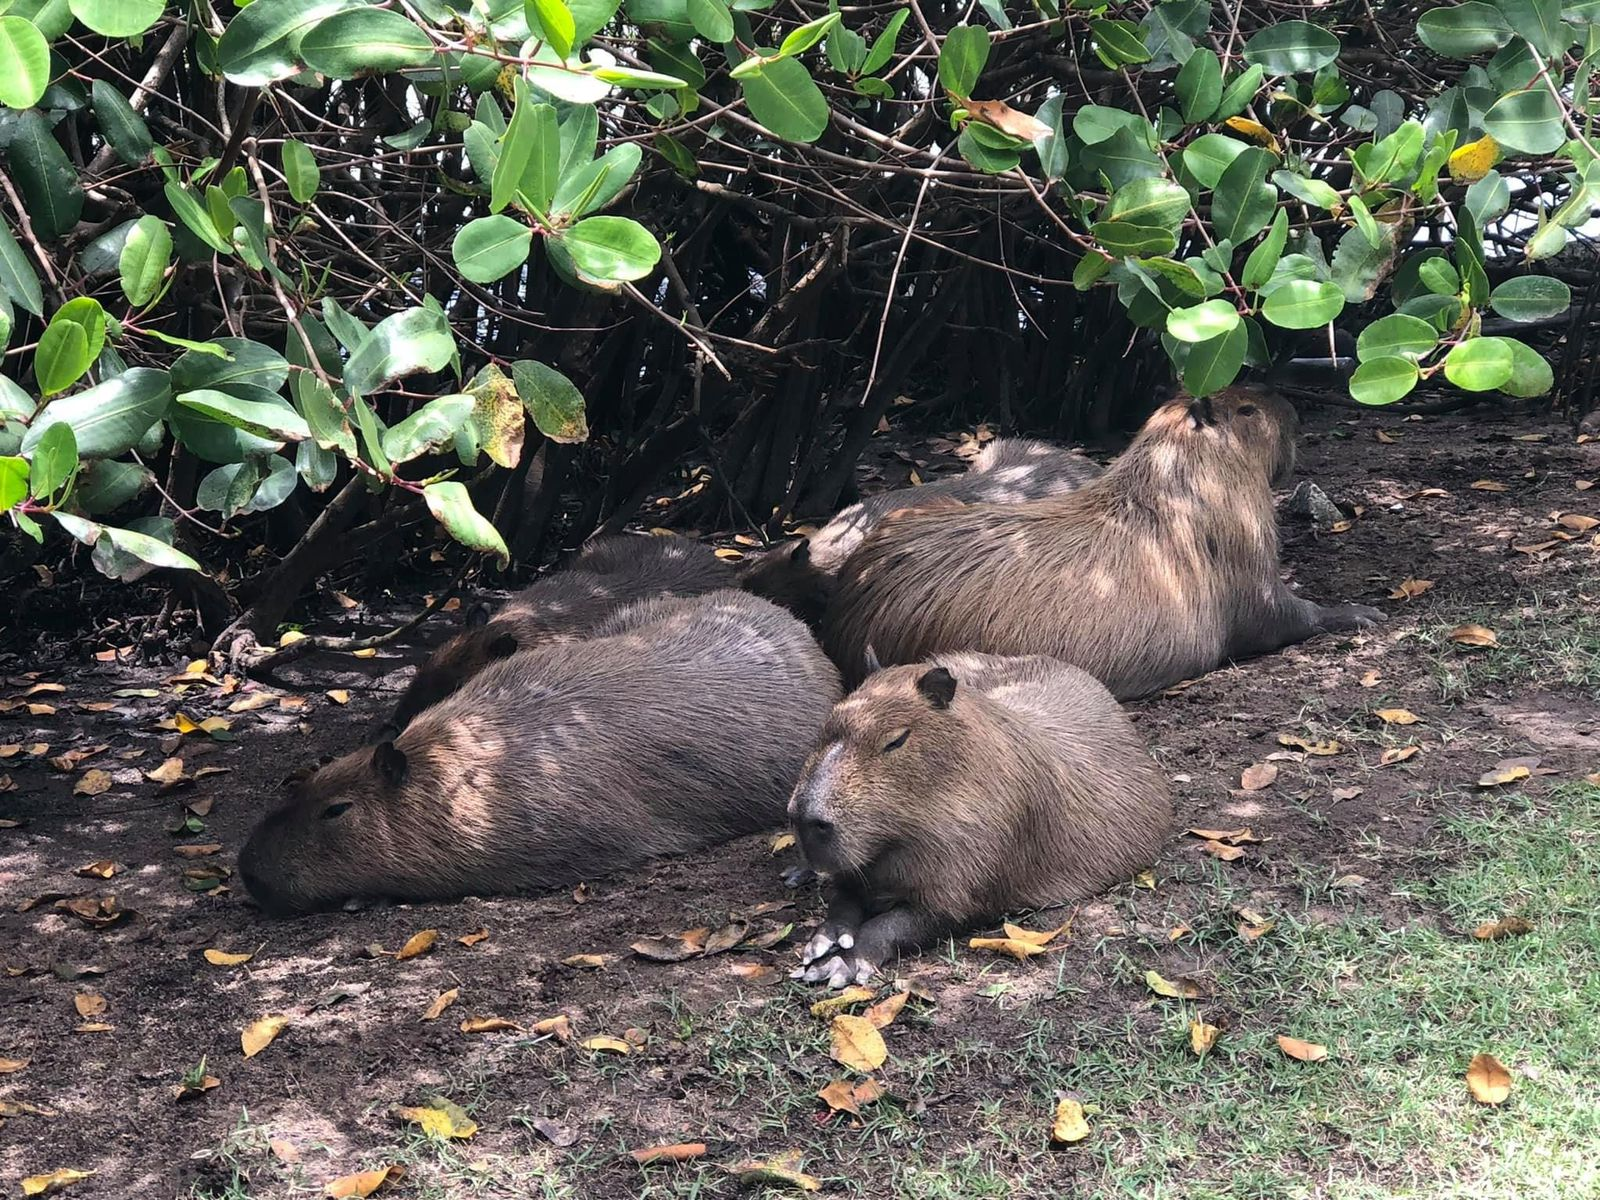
(1070, 1125)
(591, 961)
(1489, 485)
(258, 1035)
(9, 1066)
(99, 911)
(169, 772)
(250, 703)
(1145, 879)
(678, 1152)
(1253, 925)
(1317, 749)
(363, 1183)
(1347, 793)
(1039, 937)
(1410, 589)
(782, 842)
(188, 1088)
(441, 1002)
(604, 1044)
(1473, 635)
(857, 1044)
(418, 943)
(1578, 522)
(339, 695)
(1182, 989)
(1350, 881)
(781, 1169)
(93, 783)
(1304, 1051)
(1243, 834)
(854, 994)
(1505, 772)
(559, 1028)
(1397, 716)
(440, 1118)
(472, 939)
(1202, 1037)
(104, 869)
(197, 850)
(1001, 116)
(1018, 950)
(752, 972)
(221, 958)
(477, 1024)
(840, 1096)
(1258, 776)
(94, 1027)
(1385, 437)
(1491, 931)
(1488, 1080)
(726, 938)
(1225, 852)
(367, 652)
(62, 1177)
(883, 1013)
(1370, 679)
(89, 1004)
(1398, 754)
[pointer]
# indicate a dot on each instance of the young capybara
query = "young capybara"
(1008, 470)
(1160, 570)
(609, 573)
(946, 794)
(681, 723)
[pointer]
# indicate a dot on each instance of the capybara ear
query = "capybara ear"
(1201, 413)
(939, 686)
(871, 656)
(801, 554)
(477, 616)
(387, 732)
(389, 761)
(503, 646)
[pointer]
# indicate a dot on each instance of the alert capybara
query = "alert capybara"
(945, 794)
(1007, 470)
(1160, 570)
(609, 573)
(686, 725)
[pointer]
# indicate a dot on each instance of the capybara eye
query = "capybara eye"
(336, 810)
(1247, 410)
(896, 741)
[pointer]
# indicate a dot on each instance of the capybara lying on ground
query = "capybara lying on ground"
(1161, 569)
(682, 723)
(609, 573)
(946, 794)
(800, 576)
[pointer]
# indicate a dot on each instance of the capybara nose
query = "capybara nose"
(816, 828)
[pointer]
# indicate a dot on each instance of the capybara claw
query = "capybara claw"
(820, 946)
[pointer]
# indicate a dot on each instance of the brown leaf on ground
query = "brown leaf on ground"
(1319, 749)
(418, 943)
(1202, 1037)
(677, 1152)
(1473, 635)
(363, 1183)
(1489, 485)
(221, 958)
(857, 1044)
(752, 972)
(472, 939)
(1039, 937)
(441, 1002)
(339, 695)
(1243, 834)
(197, 850)
(1505, 927)
(781, 1170)
(99, 911)
(1070, 1124)
(252, 702)
(89, 1004)
(1396, 716)
(188, 1089)
(1488, 1080)
(481, 1024)
(258, 1035)
(883, 1013)
(852, 995)
(1578, 522)
(104, 869)
(54, 1181)
(605, 1044)
(593, 962)
(9, 1066)
(1398, 754)
(782, 842)
(661, 949)
(1508, 770)
(1016, 949)
(726, 938)
(1224, 852)
(168, 773)
(1181, 989)
(558, 1027)
(1304, 1051)
(1258, 776)
(93, 783)
(1410, 589)
(840, 1096)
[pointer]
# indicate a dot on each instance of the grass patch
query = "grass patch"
(1539, 645)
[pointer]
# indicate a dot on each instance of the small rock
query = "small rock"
(1309, 501)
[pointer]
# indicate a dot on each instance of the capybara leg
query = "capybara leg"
(847, 909)
(1291, 620)
(880, 938)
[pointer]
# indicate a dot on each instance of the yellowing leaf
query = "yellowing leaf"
(782, 842)
(1304, 1051)
(1016, 949)
(1488, 1080)
(1491, 931)
(1202, 1037)
(221, 958)
(591, 961)
(1145, 879)
(363, 1184)
(782, 1170)
(441, 1002)
(1006, 119)
(43, 1185)
(1183, 989)
(1219, 850)
(1039, 937)
(9, 1066)
(1489, 485)
(1258, 776)
(1398, 754)
(1251, 930)
(290, 637)
(852, 995)
(840, 1096)
(559, 1028)
(1317, 749)
(258, 1035)
(1503, 774)
(1473, 635)
(857, 1044)
(1472, 162)
(417, 943)
(93, 783)
(252, 702)
(338, 695)
(368, 652)
(440, 1118)
(104, 869)
(883, 1013)
(1070, 1124)
(169, 772)
(602, 1043)
(1255, 131)
(476, 1024)
(89, 1004)
(1411, 589)
(472, 939)
(677, 1152)
(1397, 716)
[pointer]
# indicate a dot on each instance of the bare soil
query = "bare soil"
(357, 1046)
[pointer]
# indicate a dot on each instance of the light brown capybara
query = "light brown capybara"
(945, 794)
(609, 573)
(1160, 570)
(800, 576)
(681, 723)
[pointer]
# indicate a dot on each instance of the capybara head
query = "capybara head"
(453, 663)
(786, 576)
(1249, 422)
(320, 849)
(885, 758)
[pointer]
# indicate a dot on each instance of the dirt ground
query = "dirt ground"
(112, 1008)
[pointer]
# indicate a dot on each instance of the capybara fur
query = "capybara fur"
(945, 794)
(1158, 571)
(685, 726)
(1007, 470)
(609, 573)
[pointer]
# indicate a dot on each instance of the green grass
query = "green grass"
(1540, 644)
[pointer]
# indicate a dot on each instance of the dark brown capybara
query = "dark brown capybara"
(683, 724)
(609, 573)
(1160, 570)
(801, 576)
(945, 794)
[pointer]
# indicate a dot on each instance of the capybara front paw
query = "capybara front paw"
(830, 936)
(839, 971)
(1351, 616)
(799, 876)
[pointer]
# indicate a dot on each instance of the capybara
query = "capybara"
(608, 573)
(800, 576)
(945, 794)
(1160, 570)
(684, 723)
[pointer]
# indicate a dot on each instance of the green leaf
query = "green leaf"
(24, 63)
(983, 153)
(417, 341)
(431, 426)
(61, 357)
(194, 217)
(125, 130)
(276, 422)
(1309, 191)
(1462, 30)
(1263, 260)
(1396, 336)
(565, 80)
(241, 361)
(589, 17)
(55, 460)
(1531, 298)
(608, 251)
(315, 465)
(144, 258)
(1366, 222)
(1530, 372)
(262, 42)
(1480, 365)
(85, 311)
(1118, 43)
(1209, 155)
(325, 417)
(452, 507)
(490, 248)
(1213, 365)
(106, 486)
(1199, 85)
(1439, 277)
(1090, 270)
(365, 41)
(1243, 201)
(1291, 48)
(300, 170)
(1202, 322)
(530, 155)
(117, 18)
(1383, 380)
(17, 276)
(1158, 202)
(1236, 97)
(711, 20)
(256, 485)
(1121, 239)
(1303, 304)
(803, 37)
(552, 20)
(1095, 123)
(595, 185)
(784, 98)
(110, 418)
(1526, 122)
(1539, 21)
(1546, 243)
(1123, 157)
(50, 184)
(1489, 198)
(1359, 267)
(633, 77)
(555, 405)
(883, 45)
(140, 545)
(13, 482)
(962, 56)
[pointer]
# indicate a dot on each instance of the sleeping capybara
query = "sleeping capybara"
(946, 794)
(1160, 570)
(1007, 470)
(686, 724)
(608, 573)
